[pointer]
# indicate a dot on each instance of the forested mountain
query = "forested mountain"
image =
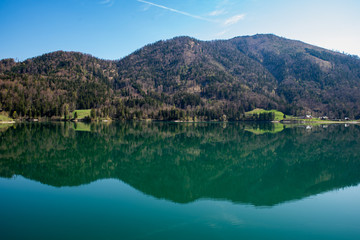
(184, 78)
(47, 85)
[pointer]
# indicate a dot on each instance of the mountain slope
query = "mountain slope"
(307, 76)
(185, 78)
(213, 70)
(45, 85)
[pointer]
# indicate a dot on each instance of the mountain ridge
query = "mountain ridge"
(193, 78)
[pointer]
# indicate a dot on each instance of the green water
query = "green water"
(179, 181)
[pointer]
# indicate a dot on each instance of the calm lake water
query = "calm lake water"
(179, 181)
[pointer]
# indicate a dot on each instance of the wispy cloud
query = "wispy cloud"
(213, 16)
(217, 12)
(107, 3)
(234, 19)
(176, 11)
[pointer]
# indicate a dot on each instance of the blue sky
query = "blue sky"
(112, 29)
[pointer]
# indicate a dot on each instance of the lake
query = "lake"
(143, 180)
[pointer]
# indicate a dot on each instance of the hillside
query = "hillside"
(184, 78)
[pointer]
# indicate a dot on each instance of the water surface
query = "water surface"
(179, 181)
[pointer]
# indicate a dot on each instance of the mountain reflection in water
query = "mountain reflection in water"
(183, 162)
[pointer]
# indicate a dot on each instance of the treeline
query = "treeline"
(264, 116)
(121, 111)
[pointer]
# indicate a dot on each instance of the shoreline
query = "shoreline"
(7, 122)
(285, 122)
(316, 122)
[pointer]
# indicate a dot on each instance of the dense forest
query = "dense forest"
(187, 79)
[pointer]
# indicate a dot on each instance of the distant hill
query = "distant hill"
(184, 78)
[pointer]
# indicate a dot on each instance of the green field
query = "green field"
(4, 118)
(81, 113)
(278, 115)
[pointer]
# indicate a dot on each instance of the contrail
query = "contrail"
(176, 11)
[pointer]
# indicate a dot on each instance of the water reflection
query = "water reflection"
(185, 162)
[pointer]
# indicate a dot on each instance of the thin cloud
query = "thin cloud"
(217, 12)
(176, 11)
(234, 19)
